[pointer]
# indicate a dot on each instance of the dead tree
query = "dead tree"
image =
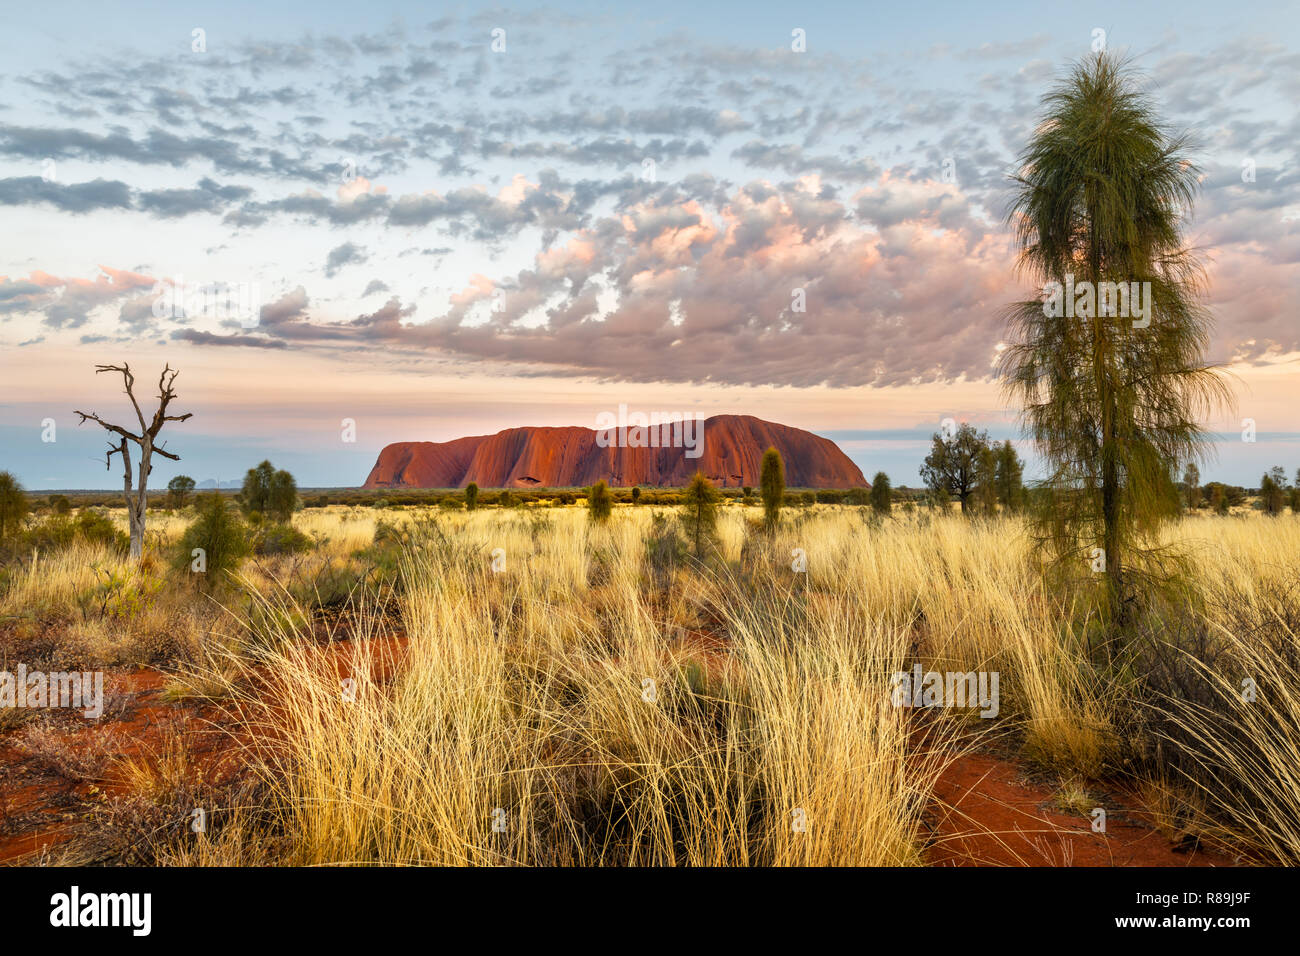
(136, 500)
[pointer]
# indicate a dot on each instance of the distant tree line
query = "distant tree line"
(1274, 495)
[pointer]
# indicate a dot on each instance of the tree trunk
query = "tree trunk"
(134, 516)
(141, 504)
(1110, 513)
(1111, 493)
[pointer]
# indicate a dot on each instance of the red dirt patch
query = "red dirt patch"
(41, 809)
(986, 813)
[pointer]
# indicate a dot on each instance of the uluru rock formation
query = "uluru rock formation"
(730, 453)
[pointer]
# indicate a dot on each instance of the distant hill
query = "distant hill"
(731, 452)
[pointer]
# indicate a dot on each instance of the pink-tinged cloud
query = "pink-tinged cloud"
(910, 301)
(70, 301)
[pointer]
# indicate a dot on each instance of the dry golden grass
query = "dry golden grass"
(576, 706)
(553, 699)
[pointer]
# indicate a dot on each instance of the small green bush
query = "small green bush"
(13, 504)
(600, 503)
(700, 515)
(281, 539)
(772, 481)
(94, 526)
(59, 531)
(219, 535)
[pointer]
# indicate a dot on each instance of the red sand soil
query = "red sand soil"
(41, 809)
(986, 813)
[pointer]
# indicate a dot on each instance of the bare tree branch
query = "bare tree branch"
(114, 450)
(165, 394)
(90, 416)
(128, 380)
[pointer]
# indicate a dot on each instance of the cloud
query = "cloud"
(768, 172)
(289, 308)
(208, 197)
(781, 275)
(67, 302)
(349, 253)
(196, 337)
(73, 198)
(792, 159)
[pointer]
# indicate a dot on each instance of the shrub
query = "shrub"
(471, 496)
(773, 484)
(219, 536)
(96, 527)
(1222, 497)
(1272, 496)
(449, 504)
(13, 504)
(280, 539)
(600, 503)
(179, 490)
(700, 515)
(881, 493)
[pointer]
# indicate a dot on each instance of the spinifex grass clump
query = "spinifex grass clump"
(1222, 710)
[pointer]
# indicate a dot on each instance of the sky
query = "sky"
(353, 224)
